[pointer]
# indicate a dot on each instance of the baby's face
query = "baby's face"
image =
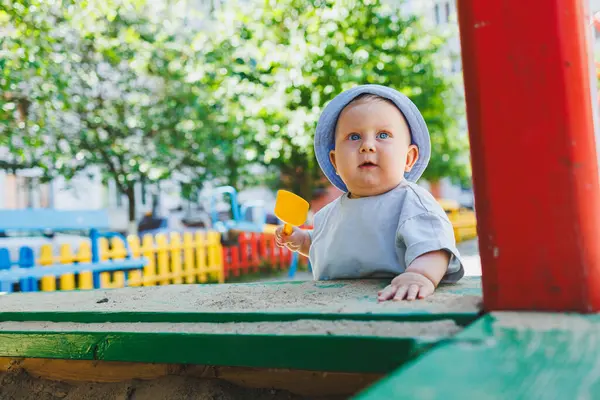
(372, 148)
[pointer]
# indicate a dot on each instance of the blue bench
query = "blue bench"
(9, 277)
(93, 221)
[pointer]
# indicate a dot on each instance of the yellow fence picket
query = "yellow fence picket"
(67, 281)
(162, 255)
(188, 258)
(84, 255)
(215, 256)
(175, 246)
(148, 251)
(118, 253)
(134, 277)
(48, 283)
(189, 268)
(200, 245)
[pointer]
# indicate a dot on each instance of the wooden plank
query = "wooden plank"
(533, 148)
(301, 382)
(506, 356)
(283, 301)
(55, 220)
(15, 274)
(308, 345)
(299, 325)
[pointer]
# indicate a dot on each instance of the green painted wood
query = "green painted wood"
(344, 354)
(273, 302)
(505, 356)
(251, 302)
(462, 319)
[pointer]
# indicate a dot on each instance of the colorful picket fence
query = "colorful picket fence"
(254, 252)
(197, 257)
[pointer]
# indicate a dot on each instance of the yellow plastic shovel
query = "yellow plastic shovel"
(291, 209)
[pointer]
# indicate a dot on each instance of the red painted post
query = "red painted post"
(226, 262)
(273, 250)
(243, 246)
(263, 246)
(282, 257)
(254, 237)
(533, 150)
(235, 260)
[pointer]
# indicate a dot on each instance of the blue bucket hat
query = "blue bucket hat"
(325, 134)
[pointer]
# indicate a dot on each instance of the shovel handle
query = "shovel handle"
(288, 229)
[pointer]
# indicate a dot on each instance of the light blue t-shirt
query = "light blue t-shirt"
(379, 236)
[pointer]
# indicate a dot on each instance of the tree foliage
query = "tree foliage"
(147, 95)
(306, 52)
(105, 84)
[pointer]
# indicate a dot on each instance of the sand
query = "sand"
(442, 328)
(544, 322)
(332, 297)
(18, 385)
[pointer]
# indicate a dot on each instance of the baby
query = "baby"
(373, 144)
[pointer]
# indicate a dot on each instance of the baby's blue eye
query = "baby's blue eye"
(383, 135)
(354, 136)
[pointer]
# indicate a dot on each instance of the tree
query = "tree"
(305, 52)
(146, 96)
(115, 92)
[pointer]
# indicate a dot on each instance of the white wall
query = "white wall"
(2, 188)
(85, 191)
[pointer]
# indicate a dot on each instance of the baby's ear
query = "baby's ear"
(332, 159)
(411, 157)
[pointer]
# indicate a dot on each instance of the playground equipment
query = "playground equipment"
(242, 218)
(537, 190)
(197, 257)
(95, 222)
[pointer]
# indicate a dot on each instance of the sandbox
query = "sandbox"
(275, 339)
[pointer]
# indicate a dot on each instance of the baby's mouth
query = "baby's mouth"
(367, 165)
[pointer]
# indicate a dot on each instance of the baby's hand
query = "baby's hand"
(409, 285)
(295, 241)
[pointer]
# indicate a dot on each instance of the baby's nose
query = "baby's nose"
(368, 146)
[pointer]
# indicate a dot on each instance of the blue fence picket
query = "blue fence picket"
(27, 260)
(5, 286)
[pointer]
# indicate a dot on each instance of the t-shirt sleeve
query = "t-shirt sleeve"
(427, 232)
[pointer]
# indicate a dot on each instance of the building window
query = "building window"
(437, 14)
(447, 7)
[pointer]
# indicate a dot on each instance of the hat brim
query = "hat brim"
(325, 133)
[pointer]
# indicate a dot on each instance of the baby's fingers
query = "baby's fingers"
(413, 291)
(426, 291)
(387, 293)
(278, 242)
(401, 293)
(278, 232)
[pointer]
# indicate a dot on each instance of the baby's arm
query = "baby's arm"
(430, 255)
(420, 279)
(432, 265)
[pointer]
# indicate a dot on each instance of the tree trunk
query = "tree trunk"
(132, 226)
(435, 187)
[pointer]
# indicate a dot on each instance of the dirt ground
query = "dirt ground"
(18, 385)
